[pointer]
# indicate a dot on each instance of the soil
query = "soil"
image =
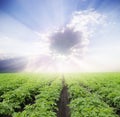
(64, 110)
(1, 115)
(118, 112)
(27, 101)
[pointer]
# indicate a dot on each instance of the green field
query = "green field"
(56, 95)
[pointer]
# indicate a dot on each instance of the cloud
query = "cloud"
(73, 39)
(69, 40)
(65, 46)
(63, 41)
(13, 64)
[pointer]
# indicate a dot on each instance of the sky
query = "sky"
(61, 35)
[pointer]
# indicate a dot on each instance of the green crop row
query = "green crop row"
(85, 104)
(36, 95)
(8, 82)
(13, 99)
(106, 85)
(45, 104)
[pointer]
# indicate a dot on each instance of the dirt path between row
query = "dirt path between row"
(64, 110)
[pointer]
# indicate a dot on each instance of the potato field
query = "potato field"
(60, 95)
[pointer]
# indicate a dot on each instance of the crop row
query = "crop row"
(36, 95)
(107, 86)
(45, 104)
(16, 99)
(8, 83)
(86, 104)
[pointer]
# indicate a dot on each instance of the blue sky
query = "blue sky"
(39, 14)
(33, 27)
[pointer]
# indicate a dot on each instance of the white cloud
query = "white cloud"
(80, 28)
(67, 45)
(86, 21)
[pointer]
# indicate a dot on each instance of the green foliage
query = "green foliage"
(45, 102)
(92, 95)
(17, 88)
